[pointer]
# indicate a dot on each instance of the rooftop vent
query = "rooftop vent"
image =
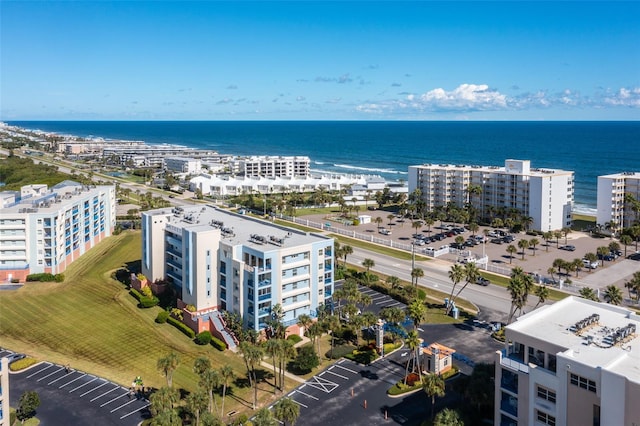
(582, 324)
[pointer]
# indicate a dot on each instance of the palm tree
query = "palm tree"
(287, 411)
(547, 236)
(565, 231)
(252, 356)
(456, 274)
(577, 265)
(378, 221)
(393, 281)
(304, 321)
(588, 293)
(226, 375)
(470, 275)
(346, 251)
(416, 311)
(368, 264)
(542, 291)
(416, 273)
(196, 403)
(523, 244)
(448, 417)
(519, 287)
(433, 385)
(533, 243)
(511, 249)
(591, 257)
(413, 344)
(602, 252)
(612, 295)
(633, 285)
(390, 218)
(201, 364)
(416, 225)
(557, 235)
(332, 324)
(264, 418)
(209, 381)
(272, 347)
(164, 400)
(625, 240)
(167, 365)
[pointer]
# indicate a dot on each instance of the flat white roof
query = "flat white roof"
(592, 344)
(240, 229)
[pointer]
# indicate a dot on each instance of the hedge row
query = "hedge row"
(145, 302)
(294, 338)
(218, 344)
(204, 337)
(180, 326)
(23, 363)
(46, 277)
(162, 317)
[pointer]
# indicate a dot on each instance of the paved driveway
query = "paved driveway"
(76, 398)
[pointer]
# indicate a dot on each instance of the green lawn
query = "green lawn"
(91, 322)
(502, 281)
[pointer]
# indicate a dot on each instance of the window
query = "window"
(546, 394)
(582, 382)
(546, 419)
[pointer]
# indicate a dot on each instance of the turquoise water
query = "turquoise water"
(388, 148)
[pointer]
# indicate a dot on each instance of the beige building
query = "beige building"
(545, 195)
(574, 363)
(612, 190)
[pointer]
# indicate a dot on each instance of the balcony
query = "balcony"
(264, 297)
(264, 283)
(514, 361)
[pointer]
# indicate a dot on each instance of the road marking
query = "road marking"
(306, 394)
(383, 296)
(59, 378)
(123, 405)
(133, 412)
(117, 397)
(299, 403)
(89, 391)
(39, 371)
(345, 368)
(49, 375)
(322, 384)
(105, 393)
(83, 385)
(68, 383)
(336, 374)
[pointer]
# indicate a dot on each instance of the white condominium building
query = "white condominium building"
(183, 164)
(574, 363)
(271, 166)
(545, 195)
(4, 392)
(45, 230)
(612, 190)
(220, 260)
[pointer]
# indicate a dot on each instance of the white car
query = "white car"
(588, 264)
(385, 231)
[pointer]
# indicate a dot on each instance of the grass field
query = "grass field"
(92, 323)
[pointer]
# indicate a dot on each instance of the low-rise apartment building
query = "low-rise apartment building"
(271, 166)
(44, 230)
(612, 207)
(574, 363)
(220, 260)
(186, 165)
(545, 195)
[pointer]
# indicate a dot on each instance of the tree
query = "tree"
(524, 245)
(470, 274)
(378, 221)
(416, 311)
(612, 295)
(577, 265)
(393, 281)
(433, 385)
(164, 400)
(565, 231)
(390, 218)
(542, 292)
(201, 364)
(448, 417)
(307, 359)
(346, 251)
(591, 257)
(602, 252)
(272, 348)
(547, 236)
(368, 264)
(588, 293)
(226, 375)
(264, 418)
(533, 243)
(416, 273)
(456, 274)
(29, 402)
(519, 287)
(413, 344)
(626, 240)
(210, 381)
(252, 355)
(167, 365)
(633, 285)
(287, 411)
(196, 403)
(511, 249)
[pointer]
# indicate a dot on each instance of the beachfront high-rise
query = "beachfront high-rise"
(574, 363)
(271, 166)
(44, 230)
(612, 190)
(545, 195)
(219, 260)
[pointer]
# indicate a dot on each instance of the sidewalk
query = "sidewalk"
(286, 373)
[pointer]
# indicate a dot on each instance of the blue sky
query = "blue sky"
(161, 60)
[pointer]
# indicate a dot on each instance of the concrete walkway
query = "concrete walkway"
(286, 373)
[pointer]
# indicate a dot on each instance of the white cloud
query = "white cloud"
(624, 97)
(466, 97)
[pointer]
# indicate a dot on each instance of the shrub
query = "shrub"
(412, 378)
(340, 351)
(58, 278)
(43, 277)
(362, 357)
(294, 338)
(218, 344)
(23, 363)
(450, 373)
(400, 388)
(162, 317)
(146, 291)
(204, 337)
(145, 302)
(387, 348)
(422, 295)
(182, 327)
(135, 293)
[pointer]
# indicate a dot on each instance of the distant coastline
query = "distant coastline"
(388, 148)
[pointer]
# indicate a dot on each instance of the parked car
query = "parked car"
(588, 264)
(14, 357)
(385, 231)
(508, 238)
(430, 250)
(418, 242)
(568, 247)
(483, 281)
(497, 241)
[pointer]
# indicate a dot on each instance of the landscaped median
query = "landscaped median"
(414, 384)
(23, 363)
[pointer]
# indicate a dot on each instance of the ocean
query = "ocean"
(388, 148)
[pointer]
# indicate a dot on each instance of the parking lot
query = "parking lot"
(72, 397)
(378, 300)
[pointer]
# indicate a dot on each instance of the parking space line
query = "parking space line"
(336, 374)
(345, 368)
(89, 391)
(59, 378)
(39, 371)
(83, 385)
(123, 405)
(68, 383)
(50, 374)
(322, 384)
(105, 393)
(306, 394)
(133, 412)
(299, 403)
(382, 296)
(394, 304)
(117, 397)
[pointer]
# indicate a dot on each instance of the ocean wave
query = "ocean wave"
(585, 209)
(369, 169)
(318, 162)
